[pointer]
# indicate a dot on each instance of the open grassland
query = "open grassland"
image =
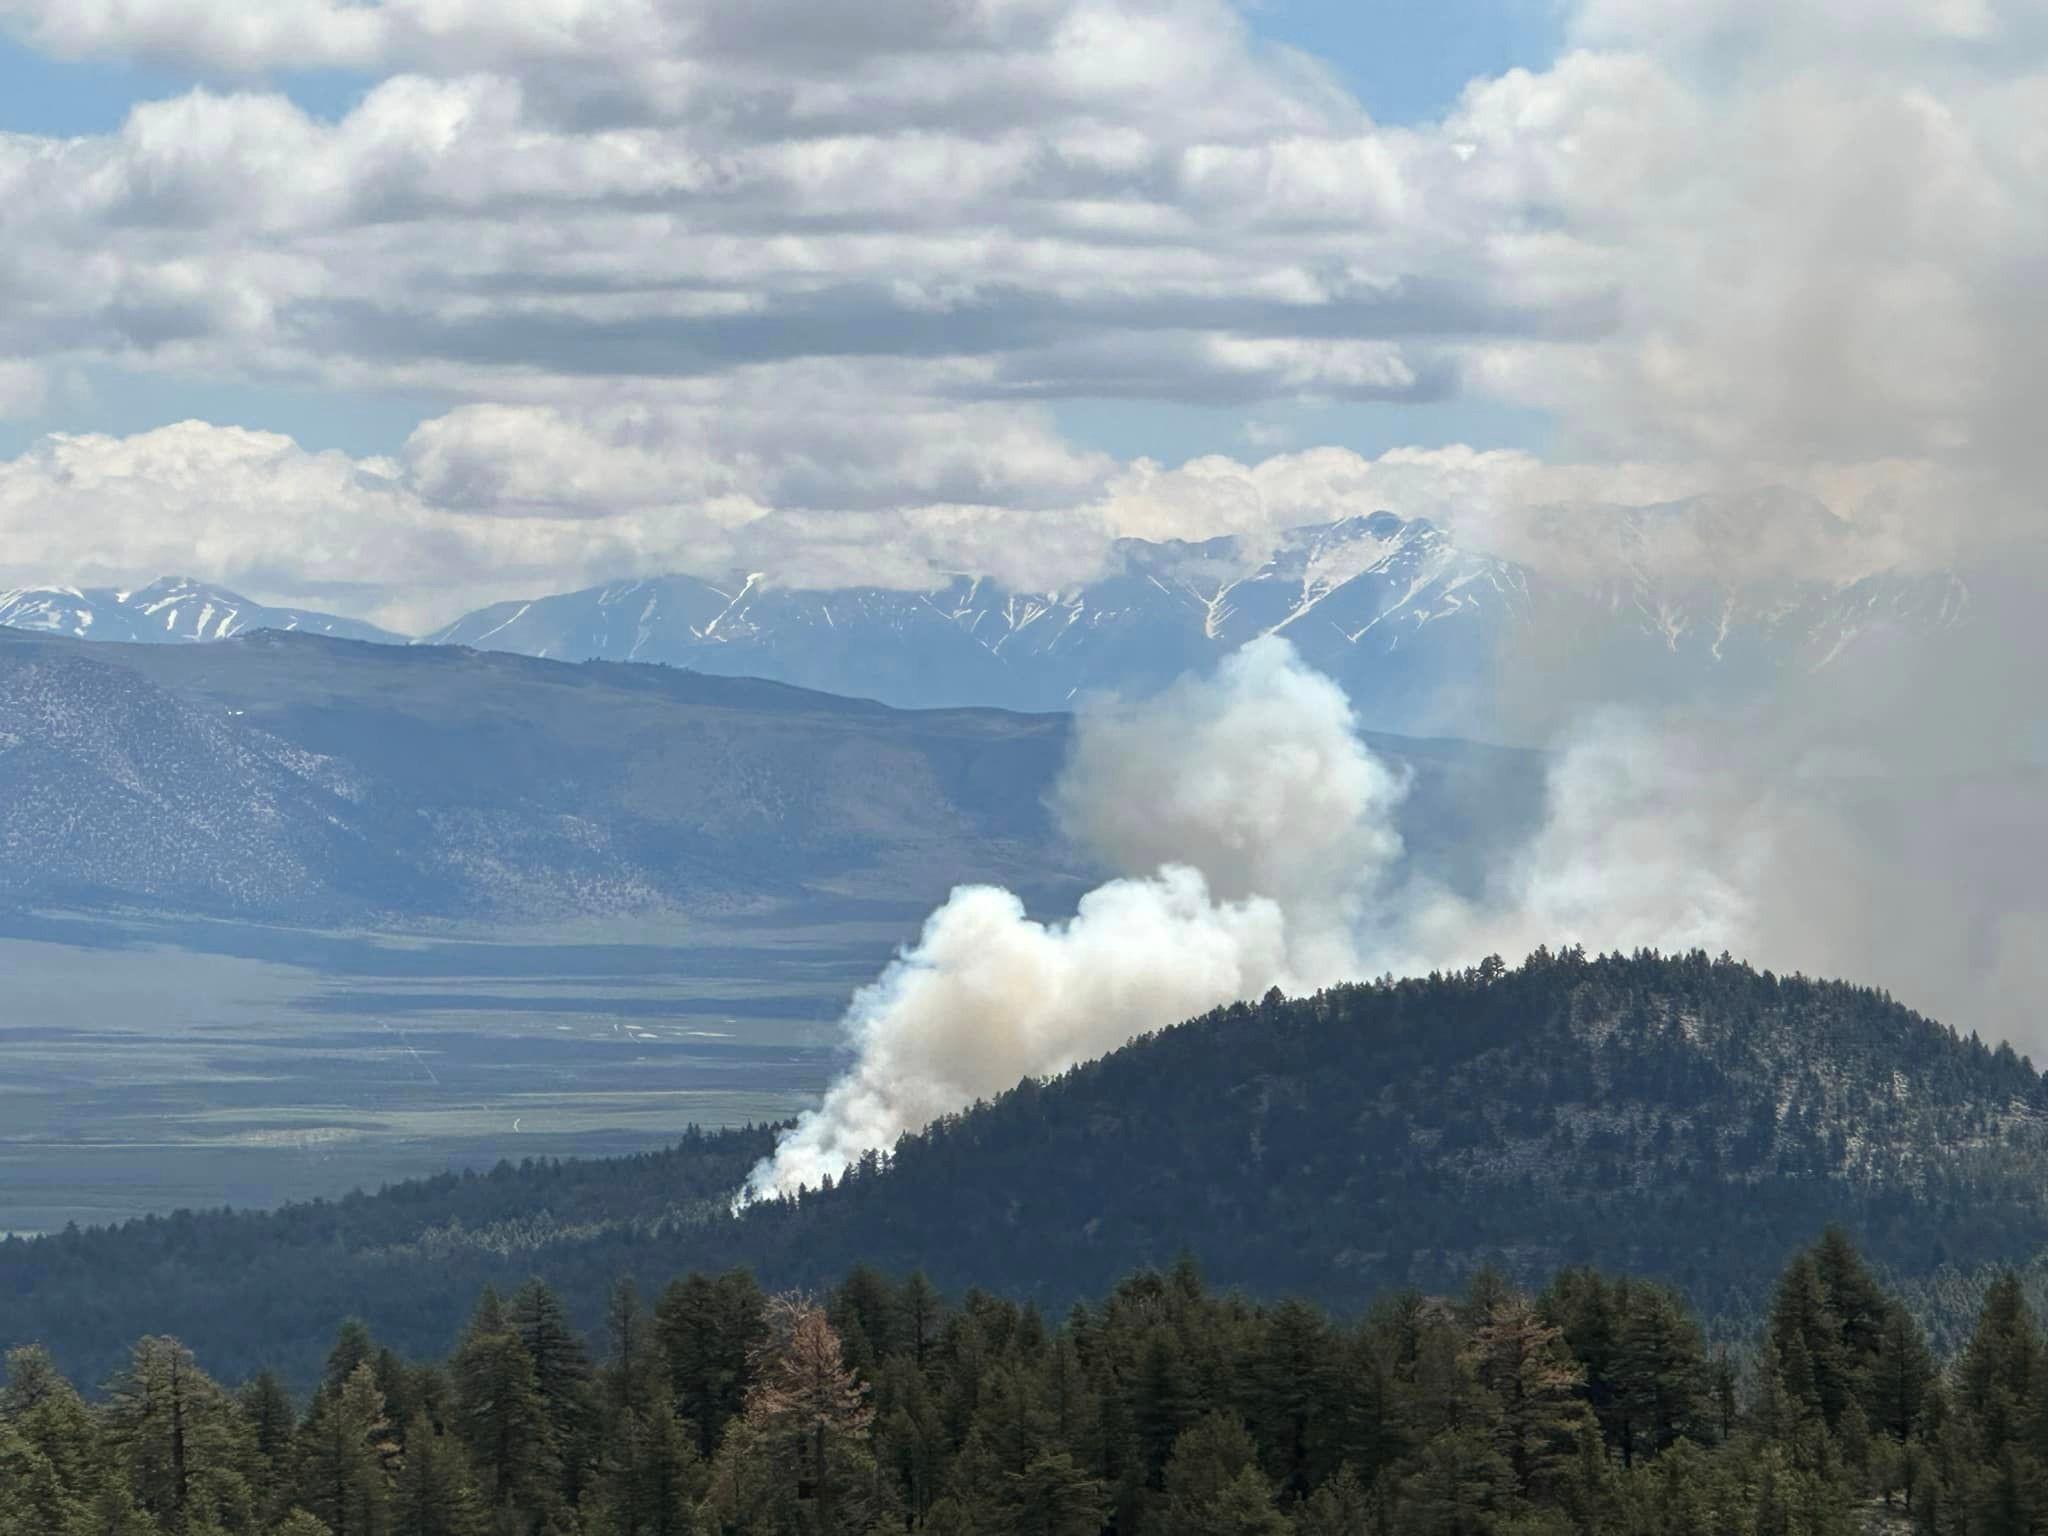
(155, 1066)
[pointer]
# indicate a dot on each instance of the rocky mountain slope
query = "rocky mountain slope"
(1427, 637)
(174, 609)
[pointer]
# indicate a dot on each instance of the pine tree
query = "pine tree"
(1589, 1312)
(436, 1494)
(1902, 1377)
(1995, 1378)
(1443, 1393)
(708, 1330)
(1373, 1425)
(865, 1309)
(1454, 1486)
(654, 1477)
(500, 1416)
(59, 1437)
(1242, 1507)
(346, 1453)
(1292, 1388)
(2005, 1496)
(34, 1500)
(1806, 1336)
(910, 1440)
(749, 1492)
(812, 1414)
(1164, 1400)
(1051, 1497)
(1856, 1302)
(562, 1374)
(353, 1346)
(1213, 1485)
(1338, 1508)
(922, 1315)
(634, 1375)
(273, 1427)
(1659, 1368)
(1523, 1362)
(178, 1440)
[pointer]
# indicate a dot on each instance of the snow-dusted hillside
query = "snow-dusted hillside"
(174, 609)
(114, 790)
(1427, 636)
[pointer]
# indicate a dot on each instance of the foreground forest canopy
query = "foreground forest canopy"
(1165, 1409)
(1685, 1118)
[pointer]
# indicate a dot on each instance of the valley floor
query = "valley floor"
(159, 1065)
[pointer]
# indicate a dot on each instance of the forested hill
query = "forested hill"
(1684, 1118)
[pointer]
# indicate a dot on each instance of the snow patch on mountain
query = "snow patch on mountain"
(174, 609)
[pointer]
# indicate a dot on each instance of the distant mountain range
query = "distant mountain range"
(1391, 608)
(1428, 637)
(298, 779)
(174, 609)
(294, 778)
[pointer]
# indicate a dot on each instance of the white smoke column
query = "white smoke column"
(1256, 778)
(1252, 822)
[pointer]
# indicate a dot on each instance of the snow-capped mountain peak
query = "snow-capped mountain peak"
(1707, 594)
(170, 610)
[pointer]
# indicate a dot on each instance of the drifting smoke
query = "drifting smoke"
(1638, 849)
(1258, 835)
(1251, 824)
(1260, 841)
(1874, 334)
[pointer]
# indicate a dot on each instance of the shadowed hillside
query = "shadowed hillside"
(1689, 1119)
(293, 778)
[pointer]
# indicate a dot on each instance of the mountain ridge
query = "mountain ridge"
(1694, 1119)
(307, 779)
(1429, 638)
(167, 611)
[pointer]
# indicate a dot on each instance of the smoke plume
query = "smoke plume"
(1257, 837)
(1251, 826)
(1837, 288)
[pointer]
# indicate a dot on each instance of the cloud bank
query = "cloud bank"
(668, 268)
(821, 289)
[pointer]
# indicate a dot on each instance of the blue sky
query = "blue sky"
(40, 94)
(1408, 59)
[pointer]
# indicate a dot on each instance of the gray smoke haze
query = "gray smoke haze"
(1258, 839)
(1829, 269)
(1825, 237)
(1883, 818)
